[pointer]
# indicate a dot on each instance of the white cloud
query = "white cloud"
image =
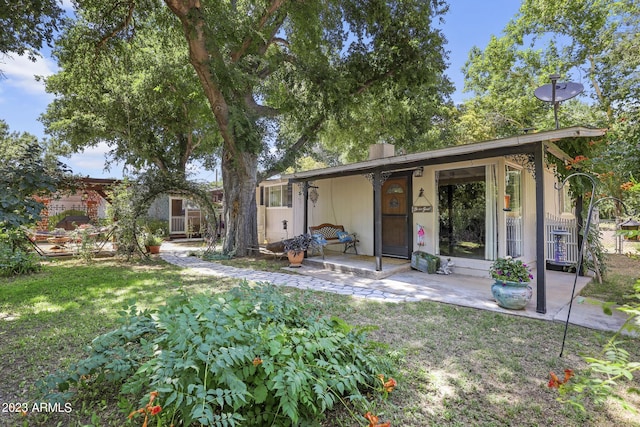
(20, 72)
(89, 162)
(67, 5)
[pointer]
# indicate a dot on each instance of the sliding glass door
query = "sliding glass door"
(461, 209)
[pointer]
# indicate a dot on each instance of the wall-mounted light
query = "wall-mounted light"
(418, 172)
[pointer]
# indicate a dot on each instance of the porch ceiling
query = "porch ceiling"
(520, 144)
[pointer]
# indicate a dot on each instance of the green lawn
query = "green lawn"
(458, 366)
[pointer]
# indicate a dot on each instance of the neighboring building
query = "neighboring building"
(275, 214)
(184, 216)
(86, 205)
(456, 195)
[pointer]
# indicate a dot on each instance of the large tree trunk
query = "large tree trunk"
(240, 213)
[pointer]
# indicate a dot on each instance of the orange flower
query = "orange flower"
(257, 361)
(139, 411)
(148, 409)
(555, 382)
(387, 386)
(626, 186)
(568, 373)
(373, 421)
(390, 385)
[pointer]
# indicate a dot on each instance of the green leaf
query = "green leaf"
(260, 393)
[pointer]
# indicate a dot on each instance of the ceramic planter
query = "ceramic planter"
(511, 295)
(295, 258)
(153, 249)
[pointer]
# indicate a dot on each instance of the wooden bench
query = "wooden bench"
(330, 233)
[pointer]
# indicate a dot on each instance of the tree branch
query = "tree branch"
(277, 167)
(275, 5)
(122, 26)
(201, 55)
(261, 110)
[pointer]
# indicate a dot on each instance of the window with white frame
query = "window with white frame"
(275, 196)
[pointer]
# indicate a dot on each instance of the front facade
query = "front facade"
(455, 210)
(470, 203)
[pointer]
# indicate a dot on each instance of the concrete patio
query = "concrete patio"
(340, 271)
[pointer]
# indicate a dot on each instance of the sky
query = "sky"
(23, 99)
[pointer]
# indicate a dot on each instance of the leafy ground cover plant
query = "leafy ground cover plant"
(250, 356)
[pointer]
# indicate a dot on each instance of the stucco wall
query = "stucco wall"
(346, 201)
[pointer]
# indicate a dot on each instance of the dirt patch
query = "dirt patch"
(623, 265)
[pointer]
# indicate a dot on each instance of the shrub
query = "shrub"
(16, 257)
(157, 226)
(17, 262)
(251, 356)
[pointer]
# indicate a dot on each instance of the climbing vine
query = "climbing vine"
(131, 201)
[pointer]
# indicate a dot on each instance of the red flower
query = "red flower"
(554, 382)
(155, 409)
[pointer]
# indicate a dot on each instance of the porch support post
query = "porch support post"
(305, 209)
(541, 272)
(377, 218)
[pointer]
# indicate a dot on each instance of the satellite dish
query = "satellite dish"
(564, 91)
(557, 92)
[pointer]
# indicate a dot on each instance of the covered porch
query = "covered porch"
(385, 199)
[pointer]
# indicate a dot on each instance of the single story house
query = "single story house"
(471, 203)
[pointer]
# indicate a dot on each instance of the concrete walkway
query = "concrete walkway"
(415, 286)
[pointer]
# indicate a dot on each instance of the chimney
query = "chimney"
(380, 151)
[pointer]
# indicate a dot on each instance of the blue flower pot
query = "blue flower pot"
(512, 295)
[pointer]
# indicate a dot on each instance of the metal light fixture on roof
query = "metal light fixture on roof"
(418, 172)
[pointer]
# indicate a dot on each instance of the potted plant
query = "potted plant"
(153, 241)
(295, 248)
(511, 287)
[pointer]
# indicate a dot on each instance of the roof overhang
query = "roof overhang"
(521, 144)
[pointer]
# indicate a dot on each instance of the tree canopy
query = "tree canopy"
(281, 77)
(141, 98)
(26, 172)
(592, 42)
(26, 25)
